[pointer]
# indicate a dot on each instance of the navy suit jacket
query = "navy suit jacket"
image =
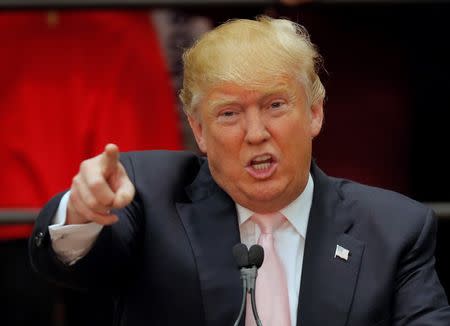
(168, 260)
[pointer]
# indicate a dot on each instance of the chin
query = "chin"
(265, 193)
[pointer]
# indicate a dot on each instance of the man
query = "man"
(156, 229)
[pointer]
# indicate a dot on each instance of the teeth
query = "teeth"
(261, 166)
(262, 158)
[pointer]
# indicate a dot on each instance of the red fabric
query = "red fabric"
(71, 83)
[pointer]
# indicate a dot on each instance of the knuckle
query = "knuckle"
(127, 197)
(95, 183)
(120, 200)
(84, 165)
(91, 202)
(76, 180)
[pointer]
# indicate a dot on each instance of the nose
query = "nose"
(256, 130)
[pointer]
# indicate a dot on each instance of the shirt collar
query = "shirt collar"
(297, 212)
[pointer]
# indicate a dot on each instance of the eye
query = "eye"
(276, 104)
(228, 116)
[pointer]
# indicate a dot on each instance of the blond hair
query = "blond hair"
(251, 53)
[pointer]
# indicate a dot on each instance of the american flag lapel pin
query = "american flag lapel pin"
(341, 252)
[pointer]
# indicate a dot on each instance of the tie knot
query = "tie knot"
(269, 223)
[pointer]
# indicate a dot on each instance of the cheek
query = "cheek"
(294, 139)
(225, 137)
(224, 146)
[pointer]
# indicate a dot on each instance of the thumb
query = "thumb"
(124, 194)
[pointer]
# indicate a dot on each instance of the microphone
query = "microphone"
(240, 253)
(248, 261)
(255, 258)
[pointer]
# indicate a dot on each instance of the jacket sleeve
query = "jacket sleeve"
(111, 257)
(419, 296)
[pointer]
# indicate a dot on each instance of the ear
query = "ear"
(316, 118)
(197, 129)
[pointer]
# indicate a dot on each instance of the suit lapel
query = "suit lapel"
(328, 282)
(211, 224)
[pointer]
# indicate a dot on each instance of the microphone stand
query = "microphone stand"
(248, 277)
(244, 299)
(255, 311)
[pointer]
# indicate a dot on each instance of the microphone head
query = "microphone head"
(256, 256)
(240, 253)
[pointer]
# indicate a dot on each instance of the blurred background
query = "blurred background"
(75, 75)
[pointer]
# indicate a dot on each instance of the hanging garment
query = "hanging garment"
(70, 82)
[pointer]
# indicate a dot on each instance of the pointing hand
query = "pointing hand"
(100, 185)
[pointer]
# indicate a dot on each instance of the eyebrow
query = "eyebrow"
(277, 91)
(223, 101)
(229, 100)
(278, 88)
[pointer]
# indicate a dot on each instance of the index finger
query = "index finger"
(110, 158)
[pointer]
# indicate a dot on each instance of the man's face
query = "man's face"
(258, 142)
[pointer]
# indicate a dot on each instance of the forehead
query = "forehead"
(233, 92)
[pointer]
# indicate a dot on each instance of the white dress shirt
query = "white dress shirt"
(72, 242)
(289, 240)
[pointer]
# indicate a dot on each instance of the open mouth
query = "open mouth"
(262, 162)
(262, 166)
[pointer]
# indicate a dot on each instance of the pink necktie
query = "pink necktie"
(271, 286)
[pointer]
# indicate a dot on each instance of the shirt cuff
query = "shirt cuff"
(71, 242)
